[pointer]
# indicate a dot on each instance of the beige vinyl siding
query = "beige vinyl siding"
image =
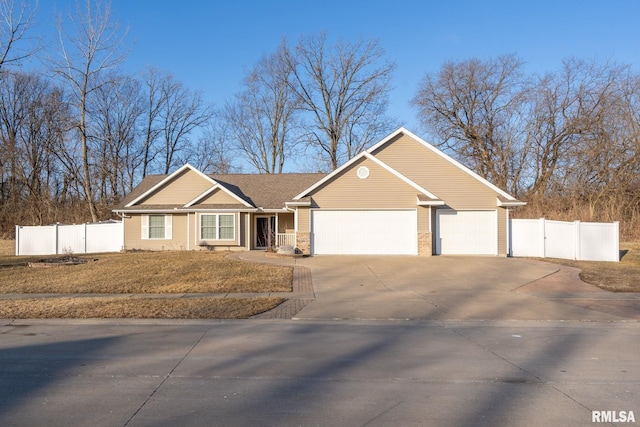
(304, 219)
(181, 190)
(191, 229)
(133, 239)
(381, 190)
(242, 232)
(423, 219)
(218, 197)
(180, 240)
(437, 175)
(285, 222)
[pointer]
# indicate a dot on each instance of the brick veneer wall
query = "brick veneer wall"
(424, 244)
(303, 242)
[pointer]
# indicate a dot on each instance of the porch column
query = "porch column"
(248, 223)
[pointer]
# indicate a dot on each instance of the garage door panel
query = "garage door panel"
(466, 232)
(364, 232)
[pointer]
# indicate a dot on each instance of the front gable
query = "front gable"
(428, 168)
(441, 178)
(178, 188)
(364, 184)
(218, 196)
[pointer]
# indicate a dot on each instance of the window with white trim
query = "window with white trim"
(156, 227)
(217, 227)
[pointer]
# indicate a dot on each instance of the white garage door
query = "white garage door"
(466, 232)
(364, 232)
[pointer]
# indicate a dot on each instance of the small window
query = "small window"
(156, 226)
(217, 226)
(208, 227)
(363, 172)
(226, 227)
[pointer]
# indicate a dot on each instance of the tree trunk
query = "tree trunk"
(85, 158)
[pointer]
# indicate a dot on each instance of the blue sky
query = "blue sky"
(209, 45)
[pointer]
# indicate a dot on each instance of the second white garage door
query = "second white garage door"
(466, 232)
(364, 232)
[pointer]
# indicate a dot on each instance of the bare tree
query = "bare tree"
(91, 46)
(602, 166)
(181, 112)
(32, 115)
(344, 90)
(171, 113)
(263, 114)
(213, 153)
(567, 106)
(116, 111)
(476, 108)
(14, 114)
(153, 80)
(48, 113)
(15, 21)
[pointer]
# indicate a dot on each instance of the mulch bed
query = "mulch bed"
(60, 261)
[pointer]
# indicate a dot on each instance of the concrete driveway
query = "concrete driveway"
(452, 288)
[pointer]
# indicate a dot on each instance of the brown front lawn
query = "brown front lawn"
(119, 274)
(145, 272)
(136, 308)
(623, 276)
(7, 247)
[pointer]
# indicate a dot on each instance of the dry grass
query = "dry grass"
(145, 272)
(7, 247)
(140, 273)
(623, 276)
(136, 308)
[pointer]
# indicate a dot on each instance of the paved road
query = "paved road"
(342, 373)
(490, 341)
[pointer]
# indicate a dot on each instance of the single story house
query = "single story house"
(401, 196)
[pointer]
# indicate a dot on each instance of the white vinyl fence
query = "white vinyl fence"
(67, 239)
(585, 241)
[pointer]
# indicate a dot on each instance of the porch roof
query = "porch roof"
(267, 191)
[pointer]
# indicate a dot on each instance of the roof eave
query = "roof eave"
(297, 203)
(510, 203)
(271, 210)
(183, 210)
(431, 203)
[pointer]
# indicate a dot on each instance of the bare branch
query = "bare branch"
(344, 89)
(15, 22)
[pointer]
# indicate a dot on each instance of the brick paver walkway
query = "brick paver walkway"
(302, 285)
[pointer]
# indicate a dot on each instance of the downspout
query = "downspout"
(188, 231)
(122, 217)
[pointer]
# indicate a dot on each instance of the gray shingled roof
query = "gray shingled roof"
(268, 191)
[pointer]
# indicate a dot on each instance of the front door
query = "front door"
(265, 232)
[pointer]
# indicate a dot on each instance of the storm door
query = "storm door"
(265, 232)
